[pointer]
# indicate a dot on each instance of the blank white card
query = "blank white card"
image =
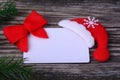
(62, 46)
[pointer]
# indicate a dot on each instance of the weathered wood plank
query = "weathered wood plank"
(107, 11)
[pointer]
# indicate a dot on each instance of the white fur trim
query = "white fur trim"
(79, 29)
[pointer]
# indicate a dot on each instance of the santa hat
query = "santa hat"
(90, 29)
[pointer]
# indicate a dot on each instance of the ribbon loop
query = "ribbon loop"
(15, 33)
(34, 21)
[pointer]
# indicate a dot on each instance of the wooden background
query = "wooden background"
(107, 11)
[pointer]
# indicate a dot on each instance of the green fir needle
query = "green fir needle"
(7, 10)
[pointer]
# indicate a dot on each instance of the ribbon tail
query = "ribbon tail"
(23, 44)
(40, 33)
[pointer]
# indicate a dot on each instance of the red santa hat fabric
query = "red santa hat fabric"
(90, 29)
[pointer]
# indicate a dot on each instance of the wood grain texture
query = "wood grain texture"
(107, 11)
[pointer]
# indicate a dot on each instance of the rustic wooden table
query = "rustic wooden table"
(107, 11)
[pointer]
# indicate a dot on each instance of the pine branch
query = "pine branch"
(11, 69)
(7, 10)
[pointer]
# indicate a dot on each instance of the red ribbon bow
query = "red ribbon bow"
(18, 34)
